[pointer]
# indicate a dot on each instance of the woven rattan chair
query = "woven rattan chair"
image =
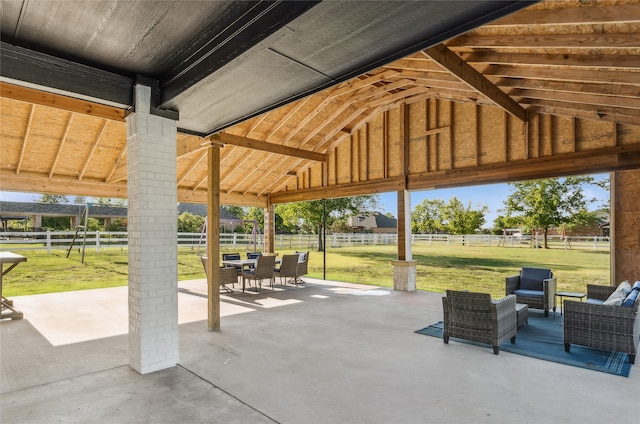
(303, 266)
(474, 316)
(610, 328)
(228, 275)
(263, 271)
(535, 287)
(288, 268)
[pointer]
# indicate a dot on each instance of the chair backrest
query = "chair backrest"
(469, 308)
(303, 262)
(264, 267)
(253, 255)
(230, 256)
(289, 266)
(531, 278)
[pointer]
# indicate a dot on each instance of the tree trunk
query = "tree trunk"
(545, 230)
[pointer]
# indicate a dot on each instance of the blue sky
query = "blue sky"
(493, 196)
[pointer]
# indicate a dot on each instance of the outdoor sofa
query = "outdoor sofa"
(608, 320)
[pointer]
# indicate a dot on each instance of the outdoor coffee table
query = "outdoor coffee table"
(563, 294)
(7, 310)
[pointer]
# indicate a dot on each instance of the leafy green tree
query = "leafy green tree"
(307, 216)
(502, 222)
(547, 202)
(458, 219)
(583, 221)
(107, 201)
(252, 214)
(426, 217)
(436, 216)
(118, 224)
(190, 223)
(237, 211)
(54, 199)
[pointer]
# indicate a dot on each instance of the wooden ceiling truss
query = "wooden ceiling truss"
(551, 90)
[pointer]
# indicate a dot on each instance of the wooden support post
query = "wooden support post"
(213, 238)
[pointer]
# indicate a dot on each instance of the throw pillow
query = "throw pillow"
(636, 286)
(618, 296)
(631, 298)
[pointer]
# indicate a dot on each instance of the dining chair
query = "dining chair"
(262, 271)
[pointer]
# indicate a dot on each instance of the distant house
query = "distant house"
(35, 211)
(373, 222)
(228, 222)
(107, 214)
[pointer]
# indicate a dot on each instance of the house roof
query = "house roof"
(286, 85)
(201, 210)
(55, 209)
(373, 220)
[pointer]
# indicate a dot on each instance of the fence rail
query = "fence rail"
(61, 240)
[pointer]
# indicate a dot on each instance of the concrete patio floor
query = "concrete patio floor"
(325, 352)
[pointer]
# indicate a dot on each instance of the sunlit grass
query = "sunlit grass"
(440, 267)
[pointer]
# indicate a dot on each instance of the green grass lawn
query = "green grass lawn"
(440, 267)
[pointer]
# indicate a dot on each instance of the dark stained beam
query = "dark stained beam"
(57, 75)
(467, 74)
(222, 45)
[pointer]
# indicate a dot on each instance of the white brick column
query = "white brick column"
(153, 240)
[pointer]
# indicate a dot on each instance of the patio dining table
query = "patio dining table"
(13, 259)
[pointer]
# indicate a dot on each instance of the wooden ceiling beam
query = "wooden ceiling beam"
(253, 144)
(601, 60)
(194, 164)
(93, 150)
(62, 141)
(467, 74)
(584, 98)
(578, 75)
(42, 98)
(25, 139)
(530, 41)
(343, 190)
(622, 90)
(587, 14)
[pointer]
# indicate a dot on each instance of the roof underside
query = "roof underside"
(281, 83)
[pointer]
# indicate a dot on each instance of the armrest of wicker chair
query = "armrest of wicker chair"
(505, 319)
(511, 284)
(550, 288)
(599, 292)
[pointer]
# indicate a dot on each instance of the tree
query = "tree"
(503, 222)
(426, 217)
(307, 216)
(436, 216)
(547, 202)
(190, 223)
(457, 219)
(106, 201)
(54, 198)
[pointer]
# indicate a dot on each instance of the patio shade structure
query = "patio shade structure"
(275, 102)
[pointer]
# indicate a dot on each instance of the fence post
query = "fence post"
(595, 243)
(97, 241)
(48, 242)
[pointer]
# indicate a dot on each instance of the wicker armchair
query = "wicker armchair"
(610, 328)
(227, 275)
(303, 266)
(474, 316)
(535, 287)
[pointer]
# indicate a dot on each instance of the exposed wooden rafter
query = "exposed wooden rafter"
(467, 74)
